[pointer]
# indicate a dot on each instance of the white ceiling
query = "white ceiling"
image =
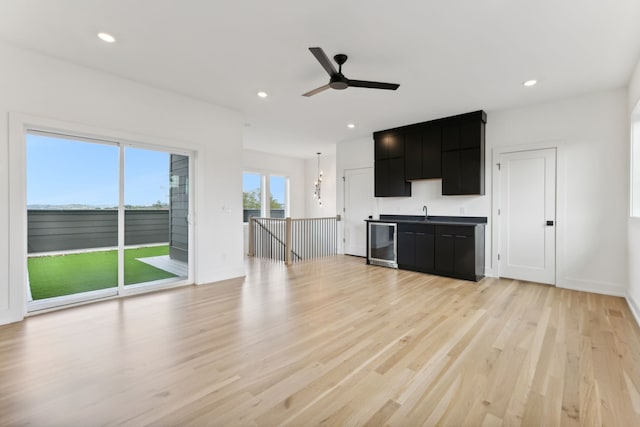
(449, 57)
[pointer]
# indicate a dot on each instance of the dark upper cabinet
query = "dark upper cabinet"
(450, 172)
(396, 184)
(463, 157)
(389, 169)
(472, 134)
(388, 145)
(381, 176)
(462, 172)
(389, 178)
(413, 155)
(471, 171)
(451, 148)
(422, 153)
(431, 148)
(464, 131)
(450, 136)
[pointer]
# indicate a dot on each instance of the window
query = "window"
(251, 195)
(264, 195)
(277, 201)
(635, 164)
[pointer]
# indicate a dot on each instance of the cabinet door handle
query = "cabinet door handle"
(447, 235)
(549, 223)
(463, 237)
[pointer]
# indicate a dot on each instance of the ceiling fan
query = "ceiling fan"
(337, 79)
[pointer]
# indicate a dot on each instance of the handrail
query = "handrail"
(276, 238)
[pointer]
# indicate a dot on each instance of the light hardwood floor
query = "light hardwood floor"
(332, 342)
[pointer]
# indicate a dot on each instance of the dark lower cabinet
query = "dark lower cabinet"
(447, 250)
(406, 249)
(460, 251)
(425, 249)
(445, 253)
(416, 247)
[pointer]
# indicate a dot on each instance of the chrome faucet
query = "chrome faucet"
(424, 208)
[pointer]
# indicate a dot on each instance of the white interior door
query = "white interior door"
(359, 203)
(527, 211)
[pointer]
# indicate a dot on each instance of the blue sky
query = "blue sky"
(63, 172)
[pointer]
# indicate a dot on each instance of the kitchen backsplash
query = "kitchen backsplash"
(428, 192)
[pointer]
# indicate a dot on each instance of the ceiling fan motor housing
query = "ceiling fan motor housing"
(339, 82)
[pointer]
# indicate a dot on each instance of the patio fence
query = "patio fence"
(69, 229)
(292, 240)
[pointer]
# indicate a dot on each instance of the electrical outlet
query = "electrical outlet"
(462, 210)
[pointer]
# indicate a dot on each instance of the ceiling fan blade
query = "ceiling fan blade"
(373, 85)
(323, 60)
(316, 90)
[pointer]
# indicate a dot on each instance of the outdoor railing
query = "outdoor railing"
(291, 240)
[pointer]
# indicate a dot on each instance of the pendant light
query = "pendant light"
(318, 183)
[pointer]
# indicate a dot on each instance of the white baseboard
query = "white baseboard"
(226, 274)
(10, 316)
(603, 288)
(635, 310)
(488, 272)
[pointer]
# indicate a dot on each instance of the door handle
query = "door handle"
(549, 223)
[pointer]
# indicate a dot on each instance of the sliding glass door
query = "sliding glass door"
(156, 209)
(103, 218)
(72, 216)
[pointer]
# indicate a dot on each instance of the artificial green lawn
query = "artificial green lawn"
(54, 276)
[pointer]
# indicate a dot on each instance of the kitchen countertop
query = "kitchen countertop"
(432, 220)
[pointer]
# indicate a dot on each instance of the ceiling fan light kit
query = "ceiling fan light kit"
(337, 80)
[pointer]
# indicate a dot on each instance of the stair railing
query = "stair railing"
(292, 240)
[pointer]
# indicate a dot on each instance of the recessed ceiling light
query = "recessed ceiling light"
(262, 94)
(351, 125)
(105, 37)
(530, 83)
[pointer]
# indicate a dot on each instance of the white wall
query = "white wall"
(633, 238)
(592, 182)
(591, 132)
(328, 187)
(38, 86)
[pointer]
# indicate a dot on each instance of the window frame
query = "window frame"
(265, 192)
